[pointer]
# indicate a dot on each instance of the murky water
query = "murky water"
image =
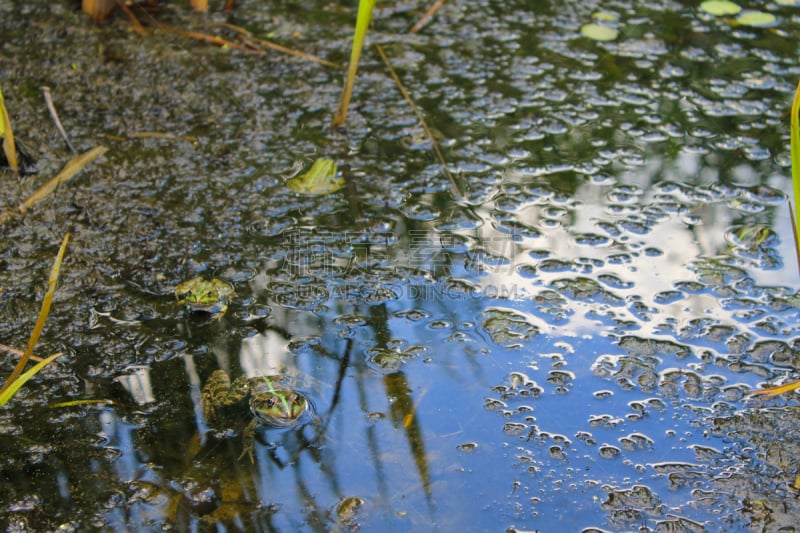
(568, 345)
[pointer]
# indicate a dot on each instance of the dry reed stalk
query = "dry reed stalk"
(421, 118)
(428, 14)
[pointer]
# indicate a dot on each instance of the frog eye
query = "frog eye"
(271, 402)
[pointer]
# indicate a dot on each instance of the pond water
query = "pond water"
(567, 345)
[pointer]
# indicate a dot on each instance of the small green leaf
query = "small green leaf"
(790, 3)
(720, 7)
(605, 16)
(598, 32)
(758, 19)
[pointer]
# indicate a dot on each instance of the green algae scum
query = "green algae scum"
(565, 344)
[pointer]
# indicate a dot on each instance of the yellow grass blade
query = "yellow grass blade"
(14, 386)
(80, 403)
(70, 169)
(9, 147)
(37, 329)
(771, 392)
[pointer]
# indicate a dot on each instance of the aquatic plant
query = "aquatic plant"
(17, 377)
(794, 213)
(720, 7)
(72, 167)
(795, 151)
(9, 147)
(365, 8)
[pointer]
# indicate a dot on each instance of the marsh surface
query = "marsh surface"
(567, 345)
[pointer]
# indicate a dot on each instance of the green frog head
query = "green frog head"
(276, 406)
(201, 296)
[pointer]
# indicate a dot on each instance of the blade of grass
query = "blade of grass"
(9, 147)
(795, 147)
(428, 14)
(78, 403)
(794, 213)
(253, 41)
(776, 391)
(363, 18)
(37, 328)
(8, 392)
(396, 78)
(137, 26)
(70, 169)
(16, 352)
(213, 39)
(48, 100)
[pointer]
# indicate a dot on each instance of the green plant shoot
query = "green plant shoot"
(19, 382)
(795, 147)
(365, 8)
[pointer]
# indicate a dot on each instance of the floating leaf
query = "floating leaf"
(598, 32)
(720, 7)
(790, 3)
(605, 16)
(758, 19)
(321, 179)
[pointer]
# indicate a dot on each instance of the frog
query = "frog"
(322, 178)
(751, 237)
(272, 402)
(205, 297)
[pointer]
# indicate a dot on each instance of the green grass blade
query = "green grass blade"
(365, 8)
(795, 144)
(19, 382)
